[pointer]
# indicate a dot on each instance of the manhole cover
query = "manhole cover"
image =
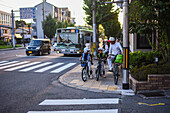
(153, 94)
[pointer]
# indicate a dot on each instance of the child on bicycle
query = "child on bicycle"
(87, 57)
(101, 57)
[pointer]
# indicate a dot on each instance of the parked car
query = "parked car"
(38, 46)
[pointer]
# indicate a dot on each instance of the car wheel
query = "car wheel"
(28, 54)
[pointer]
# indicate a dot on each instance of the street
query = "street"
(29, 84)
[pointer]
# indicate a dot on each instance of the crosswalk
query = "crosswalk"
(80, 102)
(37, 67)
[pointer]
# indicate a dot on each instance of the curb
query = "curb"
(8, 49)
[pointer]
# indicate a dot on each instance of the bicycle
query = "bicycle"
(116, 68)
(99, 70)
(85, 70)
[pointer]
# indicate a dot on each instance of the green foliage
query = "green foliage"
(105, 15)
(63, 24)
(138, 59)
(2, 42)
(19, 23)
(141, 73)
(152, 16)
(50, 26)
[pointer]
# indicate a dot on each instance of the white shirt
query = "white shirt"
(106, 47)
(115, 48)
(88, 45)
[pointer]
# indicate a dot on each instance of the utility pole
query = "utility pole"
(43, 20)
(125, 44)
(94, 28)
(13, 38)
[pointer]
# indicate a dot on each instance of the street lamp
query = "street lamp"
(125, 40)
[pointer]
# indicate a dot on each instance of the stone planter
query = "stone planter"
(155, 82)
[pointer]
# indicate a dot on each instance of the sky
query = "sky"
(75, 6)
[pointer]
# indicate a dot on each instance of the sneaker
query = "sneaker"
(91, 76)
(104, 76)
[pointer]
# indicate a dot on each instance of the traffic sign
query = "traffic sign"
(28, 13)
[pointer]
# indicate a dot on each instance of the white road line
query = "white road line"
(80, 101)
(63, 68)
(22, 66)
(79, 111)
(8, 63)
(35, 67)
(3, 61)
(3, 67)
(49, 67)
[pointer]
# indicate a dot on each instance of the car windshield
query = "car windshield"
(35, 43)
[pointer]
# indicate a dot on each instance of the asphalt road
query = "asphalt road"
(24, 90)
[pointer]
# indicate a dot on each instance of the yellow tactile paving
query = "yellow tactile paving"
(96, 85)
(103, 87)
(80, 83)
(112, 88)
(74, 81)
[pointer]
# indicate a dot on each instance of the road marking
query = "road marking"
(79, 111)
(8, 63)
(63, 68)
(49, 67)
(19, 67)
(35, 67)
(3, 67)
(3, 61)
(80, 101)
(158, 104)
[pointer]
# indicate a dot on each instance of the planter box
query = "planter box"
(155, 82)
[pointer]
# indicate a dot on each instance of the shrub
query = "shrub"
(2, 42)
(141, 74)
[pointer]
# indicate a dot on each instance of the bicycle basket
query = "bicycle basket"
(119, 58)
(83, 64)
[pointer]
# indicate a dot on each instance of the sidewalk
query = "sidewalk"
(12, 49)
(105, 85)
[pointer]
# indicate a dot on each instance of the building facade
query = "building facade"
(5, 26)
(60, 14)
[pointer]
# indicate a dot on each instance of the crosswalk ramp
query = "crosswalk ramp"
(37, 67)
(80, 102)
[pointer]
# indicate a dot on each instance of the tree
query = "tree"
(19, 23)
(152, 16)
(63, 24)
(104, 15)
(50, 26)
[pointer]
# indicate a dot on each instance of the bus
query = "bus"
(71, 40)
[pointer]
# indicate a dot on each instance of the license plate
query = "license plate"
(29, 51)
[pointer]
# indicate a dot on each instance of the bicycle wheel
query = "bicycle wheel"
(83, 74)
(88, 72)
(116, 74)
(97, 75)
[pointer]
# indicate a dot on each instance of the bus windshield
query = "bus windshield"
(68, 38)
(35, 43)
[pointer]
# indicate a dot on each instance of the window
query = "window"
(142, 41)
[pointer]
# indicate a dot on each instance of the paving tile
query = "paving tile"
(103, 87)
(112, 88)
(74, 81)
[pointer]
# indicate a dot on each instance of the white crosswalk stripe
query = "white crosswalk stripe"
(49, 67)
(79, 111)
(22, 66)
(63, 68)
(70, 102)
(3, 67)
(80, 101)
(8, 63)
(25, 66)
(3, 61)
(35, 67)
